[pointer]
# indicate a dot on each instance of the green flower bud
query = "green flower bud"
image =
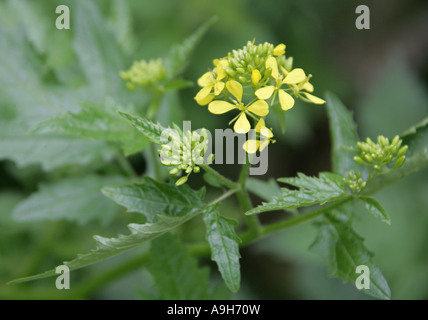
(181, 181)
(359, 160)
(196, 169)
(402, 151)
(174, 171)
(400, 161)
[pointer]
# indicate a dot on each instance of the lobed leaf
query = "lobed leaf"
(148, 128)
(151, 197)
(312, 190)
(75, 198)
(343, 250)
(179, 56)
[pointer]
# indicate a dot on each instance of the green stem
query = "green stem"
(303, 218)
(245, 201)
(157, 96)
(223, 196)
(222, 179)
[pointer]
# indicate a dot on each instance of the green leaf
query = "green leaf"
(343, 250)
(177, 209)
(109, 247)
(264, 189)
(96, 121)
(51, 151)
(343, 133)
(376, 209)
(416, 138)
(151, 197)
(224, 244)
(176, 274)
(151, 130)
(100, 56)
(76, 199)
(179, 56)
(312, 190)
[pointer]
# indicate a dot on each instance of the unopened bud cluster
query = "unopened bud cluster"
(354, 181)
(144, 74)
(185, 152)
(382, 153)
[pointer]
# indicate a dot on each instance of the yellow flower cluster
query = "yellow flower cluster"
(249, 80)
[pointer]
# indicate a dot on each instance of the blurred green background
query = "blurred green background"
(381, 74)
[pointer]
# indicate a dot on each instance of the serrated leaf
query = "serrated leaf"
(109, 247)
(343, 250)
(168, 217)
(179, 56)
(150, 129)
(343, 133)
(50, 151)
(416, 138)
(224, 244)
(99, 122)
(376, 209)
(176, 274)
(75, 199)
(151, 197)
(312, 190)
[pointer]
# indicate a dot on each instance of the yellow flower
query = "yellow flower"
(255, 76)
(211, 80)
(307, 86)
(265, 134)
(242, 125)
(279, 50)
(293, 77)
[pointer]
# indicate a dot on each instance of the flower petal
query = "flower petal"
(263, 144)
(218, 87)
(266, 133)
(235, 88)
(265, 93)
(260, 124)
(220, 107)
(295, 76)
(260, 108)
(285, 100)
(251, 146)
(204, 97)
(273, 65)
(207, 79)
(255, 76)
(313, 99)
(221, 74)
(308, 87)
(242, 125)
(279, 50)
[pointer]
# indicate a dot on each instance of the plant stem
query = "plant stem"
(303, 218)
(224, 181)
(245, 201)
(223, 196)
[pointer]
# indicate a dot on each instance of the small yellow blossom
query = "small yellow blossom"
(211, 80)
(242, 125)
(255, 76)
(285, 99)
(265, 134)
(279, 50)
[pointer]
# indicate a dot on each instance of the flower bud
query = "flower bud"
(400, 161)
(181, 181)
